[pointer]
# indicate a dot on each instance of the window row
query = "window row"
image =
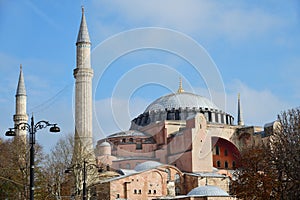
(135, 191)
(218, 150)
(226, 165)
(151, 192)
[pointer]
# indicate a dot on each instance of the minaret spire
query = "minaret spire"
(240, 120)
(21, 86)
(21, 101)
(83, 34)
(180, 89)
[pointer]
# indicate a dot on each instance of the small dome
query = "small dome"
(104, 144)
(181, 100)
(125, 171)
(147, 165)
(208, 191)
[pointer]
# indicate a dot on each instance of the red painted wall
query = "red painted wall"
(224, 151)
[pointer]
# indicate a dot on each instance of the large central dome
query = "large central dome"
(180, 106)
(181, 100)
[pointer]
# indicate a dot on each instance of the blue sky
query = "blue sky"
(253, 45)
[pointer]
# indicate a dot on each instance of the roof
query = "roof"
(128, 134)
(126, 171)
(147, 165)
(181, 100)
(21, 85)
(207, 191)
(143, 167)
(133, 158)
(83, 34)
(207, 174)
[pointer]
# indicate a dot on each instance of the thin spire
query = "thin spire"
(83, 34)
(240, 114)
(180, 89)
(21, 85)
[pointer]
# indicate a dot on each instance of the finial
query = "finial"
(82, 9)
(20, 67)
(239, 96)
(180, 89)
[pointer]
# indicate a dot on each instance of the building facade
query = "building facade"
(186, 131)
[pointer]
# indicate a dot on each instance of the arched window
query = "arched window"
(218, 163)
(217, 150)
(169, 174)
(131, 140)
(124, 140)
(226, 164)
(177, 178)
(177, 191)
(233, 164)
(225, 152)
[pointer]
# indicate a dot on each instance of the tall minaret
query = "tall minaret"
(20, 115)
(240, 120)
(83, 95)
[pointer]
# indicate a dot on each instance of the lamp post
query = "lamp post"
(84, 169)
(32, 128)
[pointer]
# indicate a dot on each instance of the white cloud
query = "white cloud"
(211, 18)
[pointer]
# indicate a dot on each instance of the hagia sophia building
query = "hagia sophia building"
(181, 147)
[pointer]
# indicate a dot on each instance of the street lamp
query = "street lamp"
(32, 128)
(86, 166)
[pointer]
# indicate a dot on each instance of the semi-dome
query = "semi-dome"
(147, 165)
(207, 191)
(181, 100)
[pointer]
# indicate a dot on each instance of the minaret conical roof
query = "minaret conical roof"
(21, 85)
(83, 34)
(240, 113)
